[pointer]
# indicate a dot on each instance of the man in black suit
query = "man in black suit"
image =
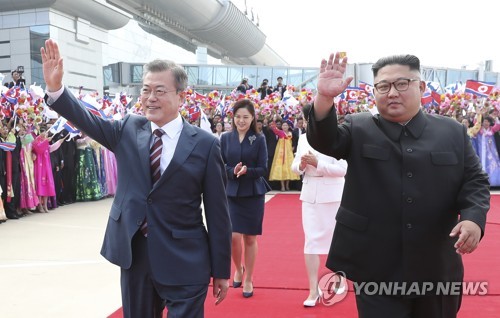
(17, 79)
(280, 87)
(415, 197)
(156, 231)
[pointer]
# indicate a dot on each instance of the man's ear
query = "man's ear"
(423, 86)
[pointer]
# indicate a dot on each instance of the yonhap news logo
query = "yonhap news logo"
(334, 287)
(421, 288)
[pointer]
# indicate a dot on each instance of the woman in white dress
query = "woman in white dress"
(322, 186)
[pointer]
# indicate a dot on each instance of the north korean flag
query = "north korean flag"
(426, 100)
(367, 87)
(478, 88)
(352, 93)
(194, 113)
(436, 98)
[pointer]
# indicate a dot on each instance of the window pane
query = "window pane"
(295, 77)
(136, 73)
(220, 76)
(264, 73)
(38, 35)
(192, 73)
(235, 75)
(491, 77)
(206, 75)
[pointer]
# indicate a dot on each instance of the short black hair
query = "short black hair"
(279, 77)
(409, 60)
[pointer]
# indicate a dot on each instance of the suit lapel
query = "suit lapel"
(184, 147)
(143, 144)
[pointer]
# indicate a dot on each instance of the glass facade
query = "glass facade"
(38, 35)
(205, 78)
(225, 78)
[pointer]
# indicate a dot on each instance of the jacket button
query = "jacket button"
(409, 225)
(139, 222)
(409, 200)
(150, 201)
(409, 150)
(409, 174)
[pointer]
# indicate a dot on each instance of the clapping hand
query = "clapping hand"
(308, 159)
(52, 63)
(240, 170)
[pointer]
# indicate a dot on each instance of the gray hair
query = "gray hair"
(180, 75)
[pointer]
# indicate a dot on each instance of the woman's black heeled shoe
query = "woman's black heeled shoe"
(248, 294)
(238, 284)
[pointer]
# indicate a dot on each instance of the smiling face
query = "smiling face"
(160, 99)
(242, 120)
(394, 105)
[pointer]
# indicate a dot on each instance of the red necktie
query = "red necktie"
(155, 159)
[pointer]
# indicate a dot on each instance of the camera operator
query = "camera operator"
(264, 89)
(17, 79)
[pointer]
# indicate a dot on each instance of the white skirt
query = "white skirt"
(318, 221)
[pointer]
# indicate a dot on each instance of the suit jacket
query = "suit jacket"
(252, 152)
(406, 187)
(323, 183)
(180, 249)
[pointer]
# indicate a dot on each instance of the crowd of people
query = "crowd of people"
(42, 170)
(382, 145)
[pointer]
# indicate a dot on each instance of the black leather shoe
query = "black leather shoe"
(12, 216)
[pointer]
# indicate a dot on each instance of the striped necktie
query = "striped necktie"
(155, 155)
(155, 159)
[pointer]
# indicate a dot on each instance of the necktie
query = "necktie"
(155, 155)
(154, 158)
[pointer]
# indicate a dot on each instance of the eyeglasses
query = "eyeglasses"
(146, 92)
(400, 85)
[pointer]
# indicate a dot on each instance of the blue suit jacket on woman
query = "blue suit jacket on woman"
(252, 152)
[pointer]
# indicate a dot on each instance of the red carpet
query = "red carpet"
(280, 280)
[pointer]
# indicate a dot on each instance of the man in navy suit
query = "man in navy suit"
(155, 231)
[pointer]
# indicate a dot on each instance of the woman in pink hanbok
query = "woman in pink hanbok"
(110, 168)
(28, 197)
(44, 179)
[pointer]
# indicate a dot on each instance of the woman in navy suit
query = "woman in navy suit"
(244, 153)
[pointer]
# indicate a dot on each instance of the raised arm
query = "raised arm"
(331, 83)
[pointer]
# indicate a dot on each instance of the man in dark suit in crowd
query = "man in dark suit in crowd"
(280, 87)
(298, 130)
(264, 89)
(415, 196)
(17, 79)
(155, 231)
(68, 149)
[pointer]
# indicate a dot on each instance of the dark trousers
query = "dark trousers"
(142, 297)
(430, 306)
